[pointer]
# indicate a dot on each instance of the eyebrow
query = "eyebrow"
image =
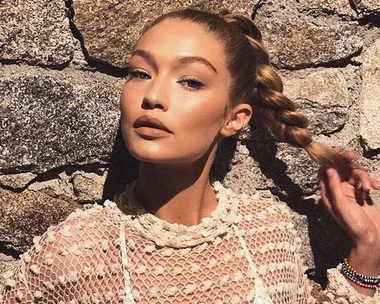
(179, 60)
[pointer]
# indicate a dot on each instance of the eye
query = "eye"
(192, 83)
(138, 74)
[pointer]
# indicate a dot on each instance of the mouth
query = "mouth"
(150, 128)
(150, 122)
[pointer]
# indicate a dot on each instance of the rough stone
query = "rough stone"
(58, 187)
(88, 187)
(294, 42)
(370, 114)
(110, 29)
(6, 258)
(52, 118)
(367, 7)
(35, 32)
(323, 97)
(7, 266)
(339, 7)
(16, 181)
(285, 170)
(27, 214)
(373, 168)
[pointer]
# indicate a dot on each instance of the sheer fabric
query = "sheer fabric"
(247, 251)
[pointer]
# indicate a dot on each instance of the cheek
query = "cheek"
(203, 122)
(130, 104)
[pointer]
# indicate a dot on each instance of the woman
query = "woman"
(177, 237)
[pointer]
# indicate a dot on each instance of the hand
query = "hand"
(349, 203)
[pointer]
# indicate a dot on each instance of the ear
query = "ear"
(237, 118)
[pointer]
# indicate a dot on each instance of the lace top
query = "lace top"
(245, 252)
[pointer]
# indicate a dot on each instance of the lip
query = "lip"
(150, 127)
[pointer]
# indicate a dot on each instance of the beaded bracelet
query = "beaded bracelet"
(362, 280)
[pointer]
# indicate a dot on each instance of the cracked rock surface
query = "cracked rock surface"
(370, 114)
(339, 7)
(323, 97)
(29, 214)
(368, 7)
(64, 117)
(299, 41)
(110, 29)
(35, 32)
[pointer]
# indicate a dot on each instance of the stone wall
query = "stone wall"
(62, 67)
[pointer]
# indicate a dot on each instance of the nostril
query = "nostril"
(159, 106)
(146, 105)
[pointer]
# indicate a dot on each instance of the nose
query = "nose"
(156, 96)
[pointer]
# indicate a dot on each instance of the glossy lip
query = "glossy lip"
(150, 128)
(150, 122)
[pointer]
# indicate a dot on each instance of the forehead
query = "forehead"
(176, 38)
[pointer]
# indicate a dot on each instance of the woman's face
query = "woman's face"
(174, 101)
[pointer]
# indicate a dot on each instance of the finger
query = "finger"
(362, 176)
(375, 183)
(349, 156)
(334, 184)
(362, 197)
(326, 194)
(338, 149)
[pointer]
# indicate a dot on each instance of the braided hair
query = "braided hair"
(255, 81)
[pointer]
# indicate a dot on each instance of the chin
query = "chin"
(148, 152)
(159, 155)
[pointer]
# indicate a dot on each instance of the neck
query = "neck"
(179, 194)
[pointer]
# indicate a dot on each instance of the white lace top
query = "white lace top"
(245, 252)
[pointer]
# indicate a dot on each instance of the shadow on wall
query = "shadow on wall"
(328, 242)
(123, 169)
(324, 234)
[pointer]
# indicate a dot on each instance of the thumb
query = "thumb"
(334, 182)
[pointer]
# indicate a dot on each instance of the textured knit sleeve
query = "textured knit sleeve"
(70, 259)
(338, 290)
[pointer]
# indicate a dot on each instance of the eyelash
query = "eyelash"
(137, 75)
(199, 84)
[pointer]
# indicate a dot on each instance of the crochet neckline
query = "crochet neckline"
(165, 234)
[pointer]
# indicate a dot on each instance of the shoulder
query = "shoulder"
(81, 231)
(64, 254)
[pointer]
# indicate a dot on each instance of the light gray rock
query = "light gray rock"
(7, 266)
(27, 214)
(370, 97)
(58, 187)
(35, 32)
(285, 170)
(323, 97)
(51, 118)
(88, 187)
(373, 168)
(367, 7)
(110, 29)
(16, 181)
(339, 7)
(297, 42)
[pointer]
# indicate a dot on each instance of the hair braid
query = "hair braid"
(278, 112)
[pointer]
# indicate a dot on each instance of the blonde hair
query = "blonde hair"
(256, 82)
